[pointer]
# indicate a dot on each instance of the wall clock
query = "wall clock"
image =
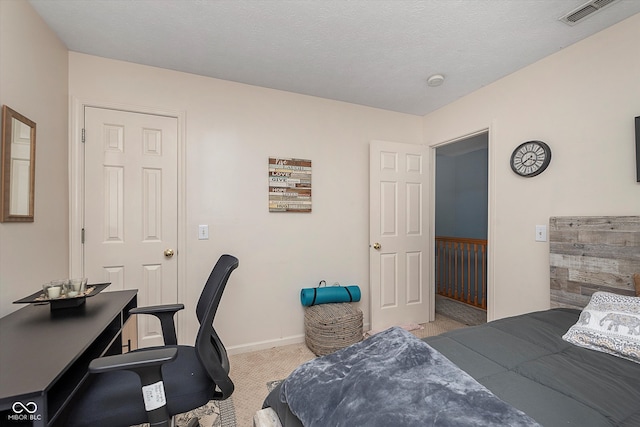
(530, 158)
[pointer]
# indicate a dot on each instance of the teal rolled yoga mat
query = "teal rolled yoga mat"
(329, 294)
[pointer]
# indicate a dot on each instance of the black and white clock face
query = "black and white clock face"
(530, 158)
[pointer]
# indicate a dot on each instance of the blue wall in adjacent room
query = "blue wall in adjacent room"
(462, 195)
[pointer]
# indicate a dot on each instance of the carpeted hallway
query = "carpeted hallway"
(463, 313)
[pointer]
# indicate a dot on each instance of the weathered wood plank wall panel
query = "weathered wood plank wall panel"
(589, 254)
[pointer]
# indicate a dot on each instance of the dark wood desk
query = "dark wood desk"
(44, 354)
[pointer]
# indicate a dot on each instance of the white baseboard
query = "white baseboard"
(263, 345)
(279, 342)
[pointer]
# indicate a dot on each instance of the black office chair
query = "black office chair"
(192, 376)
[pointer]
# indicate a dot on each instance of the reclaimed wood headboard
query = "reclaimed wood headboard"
(589, 254)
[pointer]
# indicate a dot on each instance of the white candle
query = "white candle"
(54, 291)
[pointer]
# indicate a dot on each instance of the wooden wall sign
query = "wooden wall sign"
(289, 185)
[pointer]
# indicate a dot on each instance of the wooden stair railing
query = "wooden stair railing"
(461, 269)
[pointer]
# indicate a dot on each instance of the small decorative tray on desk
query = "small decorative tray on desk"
(64, 301)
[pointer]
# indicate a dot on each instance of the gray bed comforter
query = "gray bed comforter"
(524, 361)
(392, 379)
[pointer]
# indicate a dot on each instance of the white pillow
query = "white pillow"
(609, 323)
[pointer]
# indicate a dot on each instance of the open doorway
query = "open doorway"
(461, 208)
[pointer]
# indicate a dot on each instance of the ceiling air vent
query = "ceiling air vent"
(587, 9)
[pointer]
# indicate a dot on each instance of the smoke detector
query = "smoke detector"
(435, 80)
(584, 11)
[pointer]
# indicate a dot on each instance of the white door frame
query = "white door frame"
(491, 203)
(76, 186)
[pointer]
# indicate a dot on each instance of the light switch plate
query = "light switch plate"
(541, 233)
(203, 232)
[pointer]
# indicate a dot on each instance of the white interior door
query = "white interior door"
(130, 212)
(399, 245)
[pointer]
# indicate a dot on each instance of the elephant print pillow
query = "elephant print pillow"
(609, 323)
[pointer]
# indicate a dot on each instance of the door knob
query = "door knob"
(376, 246)
(168, 253)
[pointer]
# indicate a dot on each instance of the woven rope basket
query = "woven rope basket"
(330, 327)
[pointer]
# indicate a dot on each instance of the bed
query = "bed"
(575, 364)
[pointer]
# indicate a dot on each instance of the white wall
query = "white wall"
(582, 102)
(33, 81)
(231, 131)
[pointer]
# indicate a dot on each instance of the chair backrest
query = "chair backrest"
(209, 348)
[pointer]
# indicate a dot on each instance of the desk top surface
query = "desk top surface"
(37, 345)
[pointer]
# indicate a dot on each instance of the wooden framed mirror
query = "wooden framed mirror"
(18, 165)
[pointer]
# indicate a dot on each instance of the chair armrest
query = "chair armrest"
(165, 314)
(153, 309)
(134, 360)
(147, 364)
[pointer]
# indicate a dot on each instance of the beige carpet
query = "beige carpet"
(250, 372)
(440, 325)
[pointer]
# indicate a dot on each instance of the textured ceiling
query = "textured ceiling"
(368, 52)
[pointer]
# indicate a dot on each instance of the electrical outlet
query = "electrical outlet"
(541, 233)
(203, 232)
